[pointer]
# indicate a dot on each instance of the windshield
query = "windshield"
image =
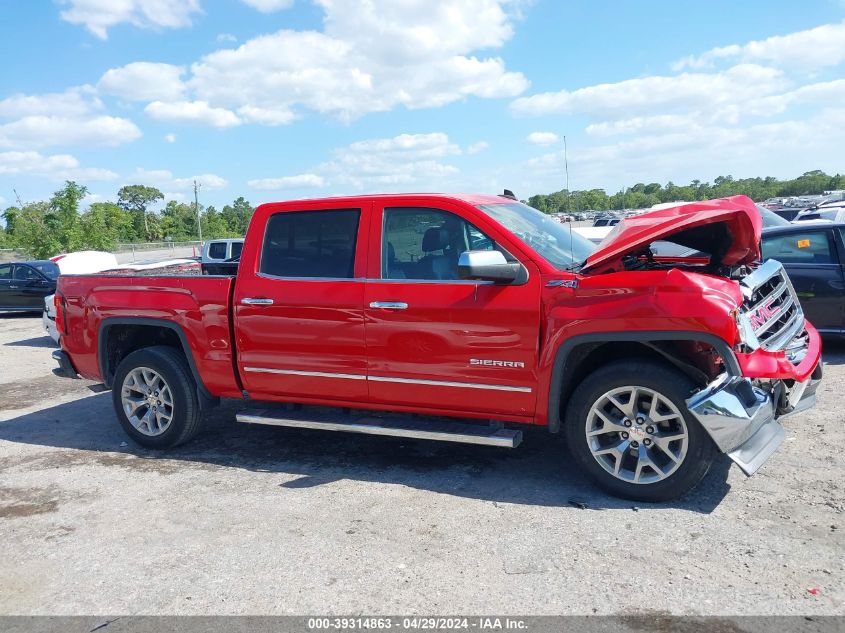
(48, 269)
(770, 218)
(553, 241)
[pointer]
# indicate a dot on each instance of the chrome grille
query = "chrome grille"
(772, 307)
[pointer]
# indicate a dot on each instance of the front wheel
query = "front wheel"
(628, 427)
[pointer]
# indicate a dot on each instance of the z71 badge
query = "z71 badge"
(486, 362)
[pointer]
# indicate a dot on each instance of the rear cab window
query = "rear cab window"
(311, 244)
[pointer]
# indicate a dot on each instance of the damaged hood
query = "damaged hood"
(728, 229)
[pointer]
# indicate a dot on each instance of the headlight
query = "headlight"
(746, 333)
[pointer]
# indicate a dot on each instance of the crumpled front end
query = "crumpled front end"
(779, 359)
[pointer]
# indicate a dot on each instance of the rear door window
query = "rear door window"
(806, 247)
(5, 271)
(311, 244)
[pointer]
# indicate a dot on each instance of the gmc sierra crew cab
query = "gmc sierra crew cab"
(476, 314)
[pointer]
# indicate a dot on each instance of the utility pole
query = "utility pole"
(197, 209)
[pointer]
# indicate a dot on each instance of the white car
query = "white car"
(78, 263)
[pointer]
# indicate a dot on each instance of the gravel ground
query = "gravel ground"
(250, 520)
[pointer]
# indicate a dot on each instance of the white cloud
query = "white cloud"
(702, 151)
(2, 201)
(195, 111)
(206, 181)
(372, 56)
(55, 167)
(480, 146)
(266, 116)
(72, 102)
(144, 81)
(98, 16)
(542, 138)
(226, 38)
(269, 6)
(819, 47)
(288, 182)
(740, 84)
(170, 138)
(43, 131)
(164, 179)
(388, 163)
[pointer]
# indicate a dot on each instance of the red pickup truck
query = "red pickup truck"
(477, 314)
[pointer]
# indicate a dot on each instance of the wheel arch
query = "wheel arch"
(579, 355)
(120, 336)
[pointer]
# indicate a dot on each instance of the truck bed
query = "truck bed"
(196, 309)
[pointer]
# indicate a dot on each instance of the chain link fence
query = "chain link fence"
(128, 253)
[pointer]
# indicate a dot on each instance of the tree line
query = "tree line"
(46, 228)
(642, 196)
(49, 227)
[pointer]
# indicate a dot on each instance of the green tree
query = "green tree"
(35, 232)
(63, 217)
(136, 199)
(105, 224)
(237, 216)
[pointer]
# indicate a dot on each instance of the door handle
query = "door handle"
(836, 284)
(389, 305)
(256, 301)
(14, 287)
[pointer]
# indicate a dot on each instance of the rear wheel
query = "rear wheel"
(628, 427)
(155, 397)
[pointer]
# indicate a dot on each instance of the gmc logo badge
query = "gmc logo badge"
(763, 315)
(486, 362)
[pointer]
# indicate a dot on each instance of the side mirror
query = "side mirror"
(487, 266)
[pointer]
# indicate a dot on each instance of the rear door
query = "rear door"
(299, 318)
(809, 255)
(435, 341)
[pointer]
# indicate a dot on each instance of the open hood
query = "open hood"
(728, 229)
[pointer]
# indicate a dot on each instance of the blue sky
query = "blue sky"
(280, 99)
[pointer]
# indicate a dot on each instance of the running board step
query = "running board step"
(418, 429)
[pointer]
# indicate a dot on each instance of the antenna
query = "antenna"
(197, 209)
(568, 203)
(18, 198)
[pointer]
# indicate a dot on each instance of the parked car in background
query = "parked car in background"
(606, 221)
(23, 285)
(813, 254)
(216, 251)
(829, 213)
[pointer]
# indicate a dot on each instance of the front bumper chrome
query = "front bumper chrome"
(742, 419)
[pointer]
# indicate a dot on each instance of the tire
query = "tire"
(177, 417)
(646, 472)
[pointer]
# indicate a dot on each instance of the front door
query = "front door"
(6, 290)
(810, 259)
(435, 341)
(299, 317)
